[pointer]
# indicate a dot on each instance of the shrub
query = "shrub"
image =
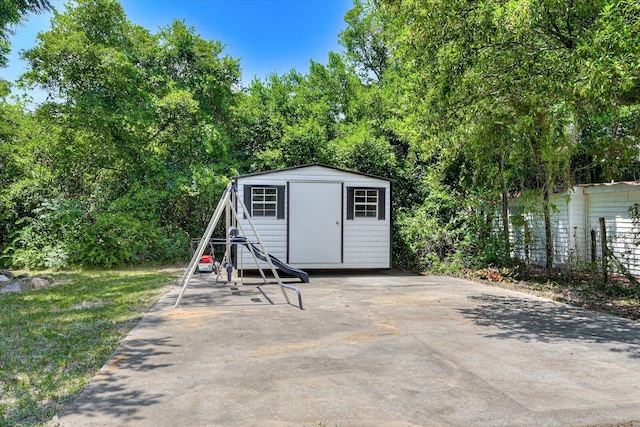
(61, 235)
(41, 242)
(446, 234)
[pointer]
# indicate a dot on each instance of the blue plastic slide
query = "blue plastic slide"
(292, 271)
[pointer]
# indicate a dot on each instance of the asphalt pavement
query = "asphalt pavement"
(382, 349)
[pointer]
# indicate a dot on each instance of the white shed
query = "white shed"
(318, 217)
(575, 215)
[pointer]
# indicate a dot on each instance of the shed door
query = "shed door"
(315, 223)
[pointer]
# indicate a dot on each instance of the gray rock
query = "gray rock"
(13, 287)
(7, 274)
(39, 282)
(24, 282)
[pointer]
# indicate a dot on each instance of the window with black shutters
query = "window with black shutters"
(365, 202)
(264, 201)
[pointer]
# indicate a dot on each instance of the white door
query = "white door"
(315, 223)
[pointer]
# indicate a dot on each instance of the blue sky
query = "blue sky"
(268, 35)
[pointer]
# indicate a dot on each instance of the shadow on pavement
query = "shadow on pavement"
(110, 392)
(545, 321)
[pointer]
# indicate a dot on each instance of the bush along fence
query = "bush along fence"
(592, 226)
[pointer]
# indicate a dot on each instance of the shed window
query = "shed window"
(365, 203)
(264, 201)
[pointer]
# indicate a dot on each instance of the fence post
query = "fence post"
(603, 246)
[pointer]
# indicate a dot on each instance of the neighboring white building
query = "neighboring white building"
(575, 214)
(318, 217)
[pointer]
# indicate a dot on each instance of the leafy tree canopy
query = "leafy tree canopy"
(462, 103)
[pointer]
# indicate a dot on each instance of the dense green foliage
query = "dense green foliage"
(131, 148)
(460, 103)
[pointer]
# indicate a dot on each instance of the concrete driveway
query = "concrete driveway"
(367, 350)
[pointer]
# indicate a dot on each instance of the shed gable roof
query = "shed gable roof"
(312, 165)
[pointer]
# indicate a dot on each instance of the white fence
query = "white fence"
(575, 223)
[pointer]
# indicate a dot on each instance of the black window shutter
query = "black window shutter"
(280, 207)
(247, 199)
(349, 202)
(381, 200)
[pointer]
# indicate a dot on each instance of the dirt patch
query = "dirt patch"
(191, 314)
(383, 330)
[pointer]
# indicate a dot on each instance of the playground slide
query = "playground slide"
(292, 271)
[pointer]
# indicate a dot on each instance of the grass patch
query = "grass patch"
(53, 340)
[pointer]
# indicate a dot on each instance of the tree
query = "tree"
(364, 40)
(12, 12)
(143, 132)
(609, 56)
(482, 71)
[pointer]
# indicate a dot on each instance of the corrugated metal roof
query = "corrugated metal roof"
(603, 184)
(518, 194)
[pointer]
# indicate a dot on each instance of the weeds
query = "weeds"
(618, 296)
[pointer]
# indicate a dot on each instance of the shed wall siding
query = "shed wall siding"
(579, 239)
(613, 205)
(560, 231)
(577, 213)
(366, 242)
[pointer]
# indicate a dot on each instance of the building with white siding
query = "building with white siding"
(574, 215)
(318, 217)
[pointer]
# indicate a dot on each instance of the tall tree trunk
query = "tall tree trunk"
(546, 200)
(505, 207)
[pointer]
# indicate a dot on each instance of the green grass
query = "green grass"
(53, 340)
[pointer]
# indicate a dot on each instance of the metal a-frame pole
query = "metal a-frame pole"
(239, 260)
(227, 255)
(227, 223)
(264, 250)
(188, 274)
